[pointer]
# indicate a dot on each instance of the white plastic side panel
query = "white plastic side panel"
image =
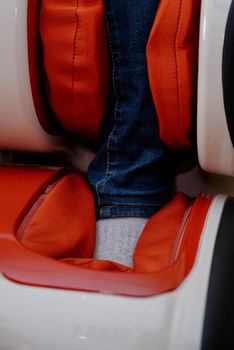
(19, 127)
(39, 319)
(215, 149)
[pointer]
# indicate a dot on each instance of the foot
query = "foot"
(116, 239)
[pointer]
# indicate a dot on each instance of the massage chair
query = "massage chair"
(54, 78)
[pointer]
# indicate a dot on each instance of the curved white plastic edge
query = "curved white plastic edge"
(19, 126)
(216, 154)
(37, 318)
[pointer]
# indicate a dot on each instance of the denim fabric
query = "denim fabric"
(129, 174)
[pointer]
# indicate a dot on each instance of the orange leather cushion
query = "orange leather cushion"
(19, 185)
(159, 242)
(98, 265)
(76, 62)
(62, 221)
(158, 245)
(172, 54)
(57, 237)
(61, 224)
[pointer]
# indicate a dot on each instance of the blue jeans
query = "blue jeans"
(130, 175)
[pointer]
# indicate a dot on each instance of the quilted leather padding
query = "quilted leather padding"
(76, 62)
(172, 55)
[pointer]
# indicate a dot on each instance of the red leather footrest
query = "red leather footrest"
(44, 223)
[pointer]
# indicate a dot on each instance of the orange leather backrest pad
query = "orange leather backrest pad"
(76, 62)
(172, 54)
(45, 115)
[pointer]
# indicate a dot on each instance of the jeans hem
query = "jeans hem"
(127, 211)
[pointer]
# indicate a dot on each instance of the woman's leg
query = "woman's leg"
(129, 174)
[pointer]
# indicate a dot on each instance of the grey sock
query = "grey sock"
(116, 239)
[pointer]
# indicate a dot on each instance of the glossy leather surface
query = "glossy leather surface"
(159, 268)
